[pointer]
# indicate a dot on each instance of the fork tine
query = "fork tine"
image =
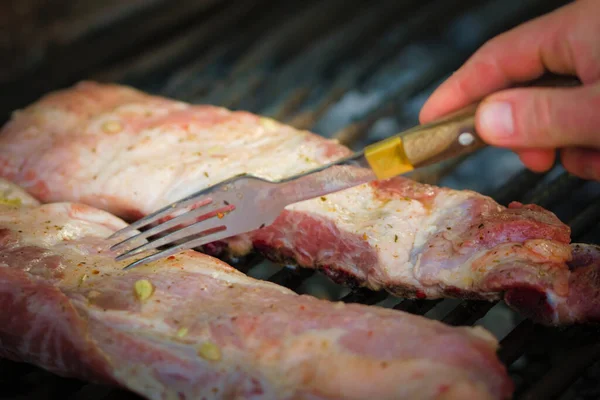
(176, 206)
(155, 216)
(194, 214)
(208, 238)
(205, 225)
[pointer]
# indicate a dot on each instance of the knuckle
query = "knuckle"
(594, 118)
(540, 124)
(589, 172)
(585, 117)
(571, 165)
(583, 163)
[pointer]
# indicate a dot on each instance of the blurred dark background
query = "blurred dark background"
(230, 52)
(356, 71)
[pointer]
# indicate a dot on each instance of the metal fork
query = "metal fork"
(208, 215)
(246, 203)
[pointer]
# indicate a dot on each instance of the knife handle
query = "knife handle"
(428, 144)
(449, 137)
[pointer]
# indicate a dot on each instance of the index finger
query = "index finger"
(561, 41)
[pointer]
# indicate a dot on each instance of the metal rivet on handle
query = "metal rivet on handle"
(466, 139)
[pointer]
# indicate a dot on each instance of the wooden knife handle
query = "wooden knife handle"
(450, 137)
(456, 135)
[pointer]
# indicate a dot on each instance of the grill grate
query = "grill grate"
(357, 74)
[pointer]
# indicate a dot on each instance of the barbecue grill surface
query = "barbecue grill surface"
(357, 73)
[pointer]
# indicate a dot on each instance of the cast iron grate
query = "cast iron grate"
(355, 73)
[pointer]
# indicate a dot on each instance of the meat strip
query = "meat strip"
(192, 327)
(130, 153)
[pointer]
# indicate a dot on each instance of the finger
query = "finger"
(537, 160)
(561, 42)
(584, 163)
(543, 118)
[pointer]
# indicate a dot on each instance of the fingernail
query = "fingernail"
(497, 119)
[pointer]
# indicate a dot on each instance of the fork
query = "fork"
(245, 202)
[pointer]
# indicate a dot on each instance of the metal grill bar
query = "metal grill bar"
(546, 195)
(364, 296)
(309, 66)
(586, 219)
(551, 349)
(420, 307)
(351, 73)
(291, 278)
(558, 379)
(214, 81)
(291, 36)
(139, 69)
(209, 72)
(468, 312)
(255, 66)
(511, 347)
(517, 186)
(37, 26)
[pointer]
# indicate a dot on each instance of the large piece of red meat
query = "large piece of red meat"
(203, 330)
(124, 151)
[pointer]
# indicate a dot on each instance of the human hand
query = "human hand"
(534, 122)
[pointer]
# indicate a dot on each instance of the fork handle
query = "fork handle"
(424, 145)
(449, 137)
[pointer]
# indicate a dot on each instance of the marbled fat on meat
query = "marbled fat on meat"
(208, 331)
(129, 153)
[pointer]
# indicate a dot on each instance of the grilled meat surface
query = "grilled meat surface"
(192, 327)
(127, 152)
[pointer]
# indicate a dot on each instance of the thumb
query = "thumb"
(542, 118)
